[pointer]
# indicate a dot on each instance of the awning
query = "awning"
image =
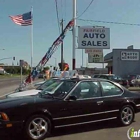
(108, 57)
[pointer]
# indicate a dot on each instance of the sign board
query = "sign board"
(94, 51)
(129, 55)
(95, 58)
(93, 38)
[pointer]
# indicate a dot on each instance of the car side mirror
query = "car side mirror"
(72, 97)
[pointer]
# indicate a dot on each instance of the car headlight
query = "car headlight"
(3, 116)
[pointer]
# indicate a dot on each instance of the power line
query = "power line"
(110, 22)
(57, 15)
(86, 9)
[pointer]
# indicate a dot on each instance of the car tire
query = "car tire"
(37, 127)
(126, 115)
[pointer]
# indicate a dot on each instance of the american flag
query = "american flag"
(22, 20)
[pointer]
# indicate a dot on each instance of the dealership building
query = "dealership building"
(123, 62)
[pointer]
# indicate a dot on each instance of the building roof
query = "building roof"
(108, 57)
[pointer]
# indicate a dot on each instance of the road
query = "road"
(4, 82)
(109, 130)
(10, 84)
(98, 131)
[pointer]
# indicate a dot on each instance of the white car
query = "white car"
(33, 91)
(24, 93)
(39, 83)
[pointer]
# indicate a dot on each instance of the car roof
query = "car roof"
(84, 79)
(90, 79)
(107, 74)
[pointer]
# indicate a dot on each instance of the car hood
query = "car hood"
(24, 93)
(7, 103)
(15, 103)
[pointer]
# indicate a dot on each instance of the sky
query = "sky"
(16, 40)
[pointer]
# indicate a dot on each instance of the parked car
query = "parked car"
(136, 81)
(115, 78)
(83, 76)
(86, 76)
(95, 75)
(74, 102)
(130, 79)
(39, 83)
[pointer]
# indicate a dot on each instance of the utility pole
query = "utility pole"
(74, 35)
(82, 58)
(62, 46)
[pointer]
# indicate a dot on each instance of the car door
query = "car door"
(112, 98)
(86, 108)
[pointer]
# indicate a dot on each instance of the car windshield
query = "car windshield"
(46, 84)
(59, 88)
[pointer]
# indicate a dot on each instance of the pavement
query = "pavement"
(5, 82)
(8, 85)
(109, 130)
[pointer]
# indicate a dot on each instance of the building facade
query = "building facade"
(91, 71)
(123, 62)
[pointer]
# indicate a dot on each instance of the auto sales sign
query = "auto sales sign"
(93, 38)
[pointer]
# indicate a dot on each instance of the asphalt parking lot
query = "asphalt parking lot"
(109, 130)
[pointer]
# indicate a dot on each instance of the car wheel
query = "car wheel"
(37, 127)
(127, 115)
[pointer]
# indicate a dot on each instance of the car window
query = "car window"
(59, 88)
(46, 84)
(117, 78)
(101, 76)
(120, 78)
(110, 89)
(53, 86)
(110, 77)
(104, 77)
(65, 87)
(87, 89)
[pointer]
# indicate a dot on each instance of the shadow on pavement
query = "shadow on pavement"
(73, 130)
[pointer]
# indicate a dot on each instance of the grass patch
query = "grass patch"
(10, 76)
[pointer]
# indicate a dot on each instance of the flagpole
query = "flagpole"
(31, 42)
(74, 35)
